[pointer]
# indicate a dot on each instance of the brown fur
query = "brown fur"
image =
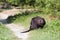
(36, 22)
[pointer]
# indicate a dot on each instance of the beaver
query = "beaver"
(36, 22)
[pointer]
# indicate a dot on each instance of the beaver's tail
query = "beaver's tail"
(26, 31)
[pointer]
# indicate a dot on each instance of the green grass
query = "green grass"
(6, 34)
(51, 31)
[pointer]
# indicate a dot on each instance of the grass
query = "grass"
(51, 31)
(6, 34)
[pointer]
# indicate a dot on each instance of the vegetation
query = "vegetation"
(42, 4)
(49, 32)
(6, 34)
(48, 9)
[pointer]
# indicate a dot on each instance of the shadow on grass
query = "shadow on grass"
(10, 19)
(3, 21)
